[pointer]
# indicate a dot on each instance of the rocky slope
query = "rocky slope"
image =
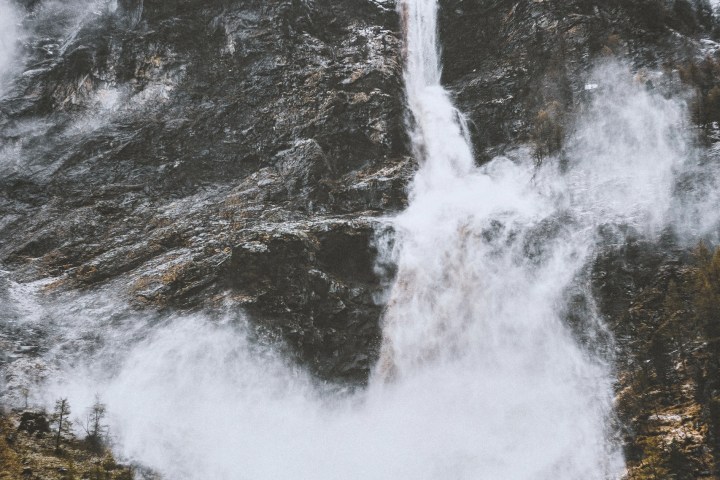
(27, 450)
(194, 154)
(192, 151)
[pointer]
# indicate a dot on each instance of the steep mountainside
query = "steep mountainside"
(191, 151)
(191, 155)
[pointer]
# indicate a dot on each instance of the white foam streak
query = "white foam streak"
(439, 144)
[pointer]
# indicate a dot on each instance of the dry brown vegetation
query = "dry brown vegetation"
(671, 394)
(32, 455)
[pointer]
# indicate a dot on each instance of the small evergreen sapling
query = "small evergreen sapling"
(61, 420)
(95, 426)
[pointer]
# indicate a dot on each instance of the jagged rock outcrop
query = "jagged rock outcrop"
(508, 61)
(159, 144)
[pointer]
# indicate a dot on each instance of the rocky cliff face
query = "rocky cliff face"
(510, 61)
(189, 152)
(197, 154)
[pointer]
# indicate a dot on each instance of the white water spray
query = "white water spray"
(438, 133)
(9, 40)
(482, 271)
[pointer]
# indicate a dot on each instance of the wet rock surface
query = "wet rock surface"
(507, 61)
(156, 144)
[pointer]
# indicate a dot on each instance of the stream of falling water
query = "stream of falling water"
(483, 267)
(479, 376)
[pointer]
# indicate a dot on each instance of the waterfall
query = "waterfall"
(442, 148)
(438, 131)
(484, 267)
(480, 375)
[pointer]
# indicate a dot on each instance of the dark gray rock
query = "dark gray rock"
(34, 423)
(507, 60)
(172, 148)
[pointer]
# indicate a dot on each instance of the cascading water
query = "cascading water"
(482, 270)
(479, 375)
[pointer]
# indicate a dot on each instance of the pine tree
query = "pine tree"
(95, 427)
(61, 419)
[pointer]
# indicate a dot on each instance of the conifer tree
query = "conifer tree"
(95, 428)
(61, 419)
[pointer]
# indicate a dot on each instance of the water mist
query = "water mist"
(9, 39)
